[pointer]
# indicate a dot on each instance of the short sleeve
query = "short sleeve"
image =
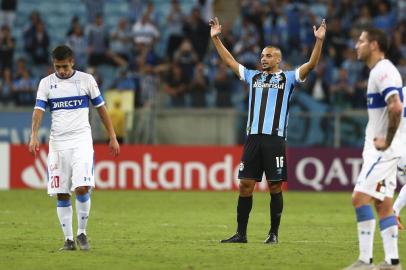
(94, 92)
(297, 76)
(246, 74)
(41, 101)
(389, 82)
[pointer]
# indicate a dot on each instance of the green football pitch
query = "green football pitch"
(181, 230)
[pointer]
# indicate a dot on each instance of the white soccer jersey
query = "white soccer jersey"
(68, 101)
(384, 81)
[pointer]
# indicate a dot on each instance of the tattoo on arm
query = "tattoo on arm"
(394, 118)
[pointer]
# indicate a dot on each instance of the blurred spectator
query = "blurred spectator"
(364, 19)
(227, 36)
(255, 13)
(38, 43)
(124, 81)
(206, 9)
(73, 23)
(341, 90)
(8, 12)
(152, 14)
(98, 42)
(386, 18)
(24, 85)
(223, 85)
(336, 39)
(395, 48)
(135, 9)
(316, 84)
(7, 45)
(247, 51)
(150, 86)
(187, 58)
(196, 30)
(6, 85)
(144, 32)
(93, 8)
(120, 40)
(199, 87)
(77, 42)
(174, 30)
(175, 85)
(117, 116)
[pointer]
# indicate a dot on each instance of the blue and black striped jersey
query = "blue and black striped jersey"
(269, 96)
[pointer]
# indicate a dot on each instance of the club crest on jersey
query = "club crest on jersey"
(274, 85)
(241, 167)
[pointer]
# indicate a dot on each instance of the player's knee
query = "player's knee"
(275, 187)
(63, 197)
(383, 208)
(82, 190)
(246, 188)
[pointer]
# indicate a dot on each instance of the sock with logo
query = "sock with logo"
(275, 208)
(400, 201)
(82, 211)
(244, 207)
(366, 229)
(64, 211)
(389, 233)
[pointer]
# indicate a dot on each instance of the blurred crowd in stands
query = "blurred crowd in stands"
(168, 53)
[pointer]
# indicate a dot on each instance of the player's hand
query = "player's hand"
(215, 27)
(33, 146)
(380, 144)
(320, 33)
(114, 147)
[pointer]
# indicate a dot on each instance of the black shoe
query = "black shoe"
(82, 242)
(236, 238)
(69, 245)
(272, 239)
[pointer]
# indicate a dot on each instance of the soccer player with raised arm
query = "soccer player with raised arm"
(270, 90)
(384, 145)
(68, 93)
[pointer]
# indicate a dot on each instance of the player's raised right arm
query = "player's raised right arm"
(33, 145)
(225, 55)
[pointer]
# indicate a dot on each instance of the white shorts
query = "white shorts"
(69, 169)
(378, 174)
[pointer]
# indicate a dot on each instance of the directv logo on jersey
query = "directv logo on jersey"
(76, 103)
(268, 85)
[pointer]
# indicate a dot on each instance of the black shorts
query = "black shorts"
(263, 153)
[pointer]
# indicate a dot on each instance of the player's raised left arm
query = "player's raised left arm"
(319, 34)
(113, 143)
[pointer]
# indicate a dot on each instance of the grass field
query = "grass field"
(181, 230)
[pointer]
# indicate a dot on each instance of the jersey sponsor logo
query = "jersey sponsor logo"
(261, 84)
(69, 103)
(52, 86)
(66, 104)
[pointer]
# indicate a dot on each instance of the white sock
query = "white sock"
(82, 211)
(65, 219)
(389, 233)
(400, 201)
(366, 230)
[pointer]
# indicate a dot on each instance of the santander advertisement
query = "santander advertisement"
(210, 168)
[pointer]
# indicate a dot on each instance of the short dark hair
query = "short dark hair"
(378, 35)
(62, 52)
